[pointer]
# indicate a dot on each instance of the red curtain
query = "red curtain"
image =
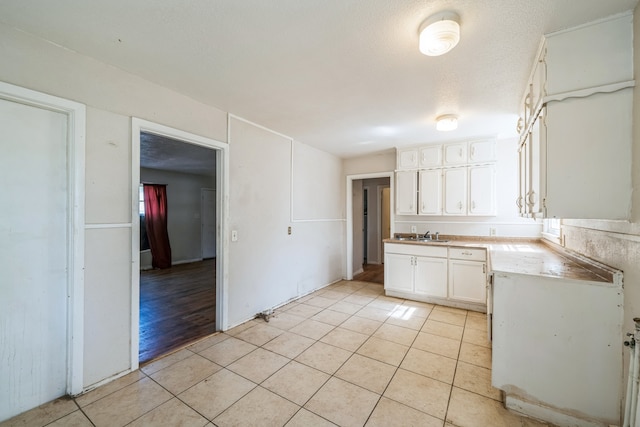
(155, 212)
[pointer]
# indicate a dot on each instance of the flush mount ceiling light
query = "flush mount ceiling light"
(447, 122)
(439, 34)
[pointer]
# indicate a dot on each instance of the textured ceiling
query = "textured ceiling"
(160, 152)
(341, 75)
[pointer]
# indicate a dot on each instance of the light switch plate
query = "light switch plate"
(414, 229)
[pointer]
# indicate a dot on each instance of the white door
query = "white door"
(33, 257)
(208, 207)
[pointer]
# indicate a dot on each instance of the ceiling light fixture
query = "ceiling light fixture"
(447, 122)
(439, 33)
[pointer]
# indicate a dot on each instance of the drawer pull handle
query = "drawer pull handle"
(467, 253)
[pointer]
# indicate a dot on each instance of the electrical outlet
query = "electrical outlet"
(234, 235)
(414, 229)
(492, 231)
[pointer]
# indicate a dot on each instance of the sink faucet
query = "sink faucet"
(437, 235)
(427, 235)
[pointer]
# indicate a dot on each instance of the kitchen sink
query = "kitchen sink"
(420, 239)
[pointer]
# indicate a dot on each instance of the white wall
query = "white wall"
(266, 266)
(183, 208)
(506, 222)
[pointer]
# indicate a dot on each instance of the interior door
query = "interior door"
(33, 257)
(208, 218)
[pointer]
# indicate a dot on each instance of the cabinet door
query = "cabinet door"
(455, 154)
(467, 281)
(482, 190)
(399, 272)
(430, 192)
(430, 156)
(538, 78)
(536, 173)
(407, 158)
(589, 141)
(431, 276)
(406, 192)
(455, 191)
(522, 177)
(482, 151)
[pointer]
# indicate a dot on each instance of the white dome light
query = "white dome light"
(439, 34)
(447, 122)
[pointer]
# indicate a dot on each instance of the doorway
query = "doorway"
(371, 222)
(41, 248)
(180, 304)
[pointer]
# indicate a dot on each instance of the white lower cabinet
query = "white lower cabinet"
(431, 276)
(413, 269)
(399, 272)
(438, 274)
(467, 281)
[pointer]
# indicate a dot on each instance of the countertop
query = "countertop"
(530, 257)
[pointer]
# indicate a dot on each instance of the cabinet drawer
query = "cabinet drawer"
(468, 254)
(416, 250)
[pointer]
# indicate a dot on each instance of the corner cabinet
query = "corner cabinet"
(437, 274)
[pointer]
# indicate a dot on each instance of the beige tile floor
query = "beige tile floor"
(345, 355)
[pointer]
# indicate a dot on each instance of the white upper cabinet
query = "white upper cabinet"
(430, 192)
(482, 198)
(407, 158)
(455, 153)
(575, 147)
(455, 191)
(430, 156)
(482, 151)
(406, 192)
(592, 55)
(589, 145)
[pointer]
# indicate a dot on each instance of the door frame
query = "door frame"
(349, 209)
(76, 125)
(379, 189)
(202, 210)
(222, 214)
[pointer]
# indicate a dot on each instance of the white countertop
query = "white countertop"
(531, 257)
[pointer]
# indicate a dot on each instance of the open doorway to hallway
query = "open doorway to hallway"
(371, 225)
(178, 303)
